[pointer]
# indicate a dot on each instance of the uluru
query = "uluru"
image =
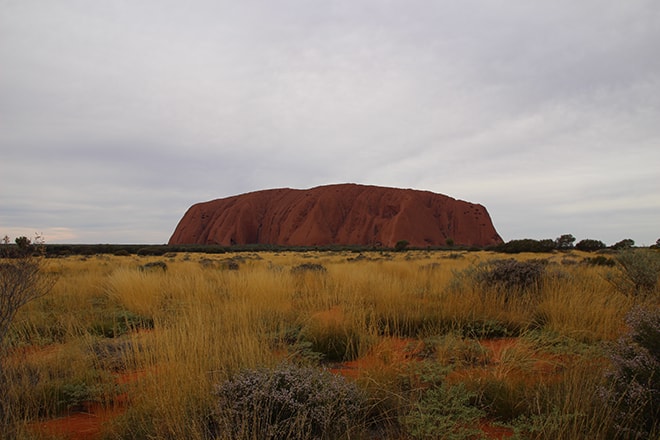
(341, 214)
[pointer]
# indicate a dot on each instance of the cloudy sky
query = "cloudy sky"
(116, 116)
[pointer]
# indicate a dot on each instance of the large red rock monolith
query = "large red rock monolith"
(344, 214)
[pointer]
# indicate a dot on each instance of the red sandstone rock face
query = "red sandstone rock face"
(345, 214)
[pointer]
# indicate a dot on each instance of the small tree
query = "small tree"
(21, 281)
(626, 243)
(21, 278)
(565, 242)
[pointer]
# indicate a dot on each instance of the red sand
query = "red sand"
(81, 425)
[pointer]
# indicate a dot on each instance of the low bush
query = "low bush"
(120, 322)
(154, 266)
(509, 276)
(599, 260)
(445, 412)
(289, 402)
(512, 274)
(309, 267)
(488, 329)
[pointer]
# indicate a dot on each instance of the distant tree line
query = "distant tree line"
(564, 242)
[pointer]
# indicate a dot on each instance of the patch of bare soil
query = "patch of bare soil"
(388, 352)
(494, 432)
(83, 425)
(87, 423)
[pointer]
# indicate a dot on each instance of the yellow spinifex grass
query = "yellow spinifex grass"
(585, 306)
(208, 322)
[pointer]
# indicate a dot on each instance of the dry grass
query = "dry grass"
(198, 323)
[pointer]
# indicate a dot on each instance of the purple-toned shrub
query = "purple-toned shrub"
(508, 275)
(289, 402)
(635, 376)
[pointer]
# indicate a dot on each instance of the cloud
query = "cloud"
(115, 117)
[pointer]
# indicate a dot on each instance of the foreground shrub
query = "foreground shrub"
(289, 402)
(635, 376)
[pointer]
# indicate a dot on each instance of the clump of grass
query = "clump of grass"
(334, 336)
(584, 308)
(119, 322)
(309, 267)
(566, 408)
(453, 350)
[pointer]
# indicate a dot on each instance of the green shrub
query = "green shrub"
(445, 412)
(600, 260)
(120, 322)
(72, 396)
(488, 329)
(289, 402)
(638, 271)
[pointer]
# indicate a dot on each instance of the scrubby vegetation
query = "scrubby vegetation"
(288, 402)
(633, 388)
(338, 344)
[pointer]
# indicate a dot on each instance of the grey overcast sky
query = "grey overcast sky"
(116, 116)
